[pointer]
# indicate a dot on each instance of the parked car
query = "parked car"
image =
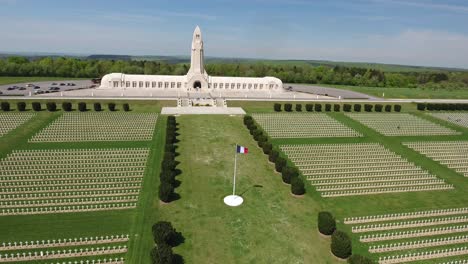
(54, 83)
(29, 85)
(11, 88)
(37, 87)
(70, 84)
(62, 84)
(39, 92)
(22, 88)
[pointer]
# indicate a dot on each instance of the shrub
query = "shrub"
(277, 107)
(309, 107)
(261, 140)
(288, 107)
(298, 108)
(378, 107)
(358, 259)
(126, 107)
(247, 119)
(347, 107)
(397, 108)
(82, 106)
(97, 107)
(21, 106)
(421, 106)
(111, 106)
(5, 106)
(67, 106)
(273, 155)
(368, 107)
(166, 191)
(162, 254)
(341, 244)
(388, 108)
(164, 233)
(327, 107)
(257, 133)
(430, 106)
(288, 173)
(336, 107)
(51, 106)
(357, 108)
(36, 106)
(280, 162)
(267, 147)
(318, 108)
(326, 223)
(297, 186)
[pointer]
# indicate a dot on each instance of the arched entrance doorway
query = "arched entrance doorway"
(197, 85)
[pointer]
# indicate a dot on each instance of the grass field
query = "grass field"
(271, 226)
(406, 93)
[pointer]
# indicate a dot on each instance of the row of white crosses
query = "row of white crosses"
(413, 233)
(359, 169)
(87, 187)
(302, 125)
(76, 194)
(49, 243)
(68, 182)
(410, 224)
(460, 119)
(10, 121)
(67, 209)
(64, 253)
(408, 215)
(97, 261)
(71, 176)
(453, 154)
(72, 201)
(400, 124)
(433, 242)
(418, 256)
(463, 261)
(72, 127)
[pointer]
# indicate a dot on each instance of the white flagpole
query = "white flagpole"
(235, 168)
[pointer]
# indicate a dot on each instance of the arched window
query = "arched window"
(166, 85)
(127, 84)
(147, 84)
(153, 84)
(179, 85)
(140, 84)
(244, 86)
(116, 83)
(134, 84)
(221, 86)
(233, 85)
(160, 84)
(172, 84)
(215, 85)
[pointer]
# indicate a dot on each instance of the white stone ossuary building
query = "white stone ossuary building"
(196, 80)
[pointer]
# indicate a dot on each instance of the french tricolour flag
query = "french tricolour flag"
(241, 149)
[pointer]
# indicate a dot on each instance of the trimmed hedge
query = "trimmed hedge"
(82, 107)
(21, 106)
(388, 108)
(327, 107)
(318, 108)
(357, 108)
(126, 107)
(341, 244)
(36, 106)
(336, 107)
(326, 223)
(309, 107)
(67, 106)
(111, 107)
(288, 107)
(51, 106)
(5, 106)
(397, 108)
(298, 108)
(368, 107)
(297, 186)
(378, 107)
(97, 107)
(277, 107)
(347, 107)
(358, 259)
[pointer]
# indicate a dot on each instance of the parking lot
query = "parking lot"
(38, 88)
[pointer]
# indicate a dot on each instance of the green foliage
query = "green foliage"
(51, 106)
(97, 107)
(318, 108)
(277, 107)
(67, 106)
(288, 173)
(126, 107)
(357, 108)
(288, 107)
(162, 254)
(36, 106)
(298, 108)
(347, 107)
(368, 107)
(274, 154)
(326, 223)
(336, 107)
(378, 108)
(397, 108)
(267, 147)
(341, 244)
(297, 186)
(358, 259)
(21, 106)
(5, 106)
(309, 107)
(166, 191)
(164, 233)
(327, 107)
(111, 107)
(388, 108)
(82, 106)
(280, 162)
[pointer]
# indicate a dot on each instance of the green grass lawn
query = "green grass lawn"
(16, 79)
(406, 93)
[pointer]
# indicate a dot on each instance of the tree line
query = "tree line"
(288, 73)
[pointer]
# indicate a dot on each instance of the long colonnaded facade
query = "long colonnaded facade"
(196, 80)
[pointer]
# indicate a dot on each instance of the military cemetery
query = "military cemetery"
(234, 132)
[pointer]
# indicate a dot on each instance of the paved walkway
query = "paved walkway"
(202, 110)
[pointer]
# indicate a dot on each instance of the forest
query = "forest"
(287, 72)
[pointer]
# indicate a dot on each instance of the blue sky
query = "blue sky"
(414, 32)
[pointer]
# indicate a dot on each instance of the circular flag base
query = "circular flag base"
(233, 200)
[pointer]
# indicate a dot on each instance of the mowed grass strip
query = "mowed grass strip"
(271, 226)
